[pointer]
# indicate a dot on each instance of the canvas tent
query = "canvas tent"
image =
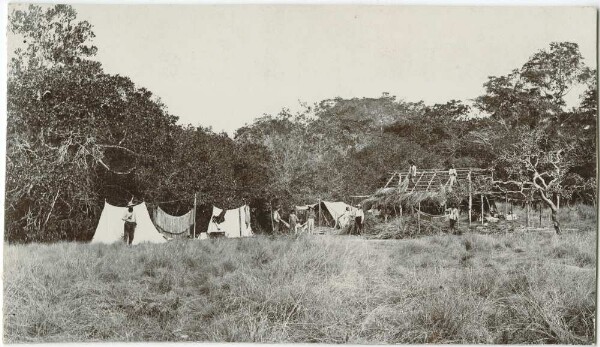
(234, 223)
(332, 213)
(110, 225)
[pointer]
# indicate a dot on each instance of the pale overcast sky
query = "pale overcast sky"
(223, 66)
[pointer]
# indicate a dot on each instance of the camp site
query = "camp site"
(300, 174)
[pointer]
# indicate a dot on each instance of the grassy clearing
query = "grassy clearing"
(520, 287)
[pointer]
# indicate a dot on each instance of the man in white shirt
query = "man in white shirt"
(453, 217)
(130, 223)
(276, 220)
(412, 172)
(452, 173)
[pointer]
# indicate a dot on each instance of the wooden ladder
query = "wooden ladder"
(390, 180)
(415, 186)
(431, 180)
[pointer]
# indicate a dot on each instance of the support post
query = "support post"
(319, 221)
(512, 221)
(470, 197)
(481, 195)
(272, 221)
(505, 205)
(540, 214)
(558, 201)
(527, 204)
(240, 220)
(195, 206)
(419, 217)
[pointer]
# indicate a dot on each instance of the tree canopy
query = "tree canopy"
(77, 136)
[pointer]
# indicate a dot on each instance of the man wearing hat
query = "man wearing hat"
(130, 223)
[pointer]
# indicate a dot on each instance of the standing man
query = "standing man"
(276, 220)
(412, 172)
(311, 215)
(452, 174)
(359, 219)
(293, 222)
(130, 223)
(453, 217)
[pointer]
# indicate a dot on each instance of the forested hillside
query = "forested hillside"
(77, 136)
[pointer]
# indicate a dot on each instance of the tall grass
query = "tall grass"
(521, 287)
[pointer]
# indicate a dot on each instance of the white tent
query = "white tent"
(236, 223)
(110, 225)
(337, 212)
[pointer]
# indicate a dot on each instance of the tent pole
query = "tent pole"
(195, 206)
(505, 205)
(470, 198)
(240, 220)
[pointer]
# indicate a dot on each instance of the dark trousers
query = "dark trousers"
(129, 231)
(358, 224)
(452, 224)
(411, 181)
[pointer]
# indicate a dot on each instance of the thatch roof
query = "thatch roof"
(400, 196)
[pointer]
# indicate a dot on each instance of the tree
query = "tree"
(538, 165)
(51, 37)
(537, 138)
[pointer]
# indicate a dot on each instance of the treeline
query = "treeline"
(77, 136)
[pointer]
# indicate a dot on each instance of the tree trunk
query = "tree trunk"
(553, 210)
(555, 221)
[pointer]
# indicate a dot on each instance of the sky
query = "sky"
(223, 66)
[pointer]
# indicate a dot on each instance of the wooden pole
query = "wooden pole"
(319, 224)
(512, 221)
(558, 201)
(195, 206)
(540, 214)
(419, 217)
(527, 209)
(512, 215)
(272, 221)
(240, 220)
(470, 197)
(505, 205)
(481, 209)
